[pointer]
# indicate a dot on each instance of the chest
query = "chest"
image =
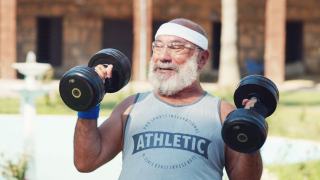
(153, 123)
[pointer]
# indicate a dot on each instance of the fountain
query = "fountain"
(29, 91)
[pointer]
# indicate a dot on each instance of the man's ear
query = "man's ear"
(203, 58)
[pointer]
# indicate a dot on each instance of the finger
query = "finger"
(250, 103)
(101, 71)
(102, 68)
(245, 101)
(109, 71)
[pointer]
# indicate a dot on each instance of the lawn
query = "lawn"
(53, 104)
(296, 111)
(301, 171)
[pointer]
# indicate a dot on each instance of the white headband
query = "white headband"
(183, 32)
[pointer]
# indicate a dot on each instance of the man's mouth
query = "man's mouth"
(165, 68)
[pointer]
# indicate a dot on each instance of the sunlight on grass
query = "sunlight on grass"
(300, 171)
(296, 112)
(310, 98)
(295, 122)
(9, 106)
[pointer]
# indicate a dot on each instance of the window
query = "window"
(49, 41)
(294, 42)
(118, 34)
(216, 45)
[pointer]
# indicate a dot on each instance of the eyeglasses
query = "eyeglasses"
(174, 48)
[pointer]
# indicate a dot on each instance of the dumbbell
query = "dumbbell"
(246, 130)
(81, 88)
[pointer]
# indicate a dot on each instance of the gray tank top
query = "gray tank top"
(164, 141)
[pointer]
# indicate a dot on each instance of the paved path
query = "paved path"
(266, 175)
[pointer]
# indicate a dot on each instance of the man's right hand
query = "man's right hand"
(104, 72)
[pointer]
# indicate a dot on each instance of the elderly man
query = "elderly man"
(172, 132)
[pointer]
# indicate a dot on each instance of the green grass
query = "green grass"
(294, 98)
(296, 112)
(295, 122)
(9, 106)
(301, 171)
(298, 98)
(55, 105)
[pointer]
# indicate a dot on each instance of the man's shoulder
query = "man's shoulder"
(225, 106)
(130, 99)
(133, 98)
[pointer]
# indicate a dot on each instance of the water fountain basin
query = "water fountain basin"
(31, 68)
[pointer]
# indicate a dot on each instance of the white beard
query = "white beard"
(167, 84)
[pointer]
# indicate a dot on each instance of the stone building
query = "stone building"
(67, 33)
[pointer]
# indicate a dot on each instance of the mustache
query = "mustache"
(162, 65)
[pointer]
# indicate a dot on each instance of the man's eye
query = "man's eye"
(158, 45)
(177, 47)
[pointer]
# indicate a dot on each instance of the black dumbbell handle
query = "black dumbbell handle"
(105, 65)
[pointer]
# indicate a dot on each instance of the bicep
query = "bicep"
(231, 156)
(111, 131)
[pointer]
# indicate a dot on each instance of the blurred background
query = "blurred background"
(276, 38)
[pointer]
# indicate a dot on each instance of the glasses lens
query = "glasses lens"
(172, 48)
(178, 49)
(157, 47)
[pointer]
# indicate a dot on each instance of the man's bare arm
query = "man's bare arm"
(240, 166)
(248, 166)
(95, 146)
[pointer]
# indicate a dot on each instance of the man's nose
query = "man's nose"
(164, 55)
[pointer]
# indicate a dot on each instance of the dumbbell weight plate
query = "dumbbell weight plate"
(121, 72)
(260, 86)
(79, 88)
(244, 130)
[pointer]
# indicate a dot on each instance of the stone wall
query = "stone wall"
(252, 33)
(311, 46)
(83, 19)
(251, 43)
(82, 39)
(82, 26)
(308, 13)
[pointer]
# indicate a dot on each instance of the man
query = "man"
(172, 132)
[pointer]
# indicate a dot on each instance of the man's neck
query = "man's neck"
(186, 96)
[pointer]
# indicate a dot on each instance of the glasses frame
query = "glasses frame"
(169, 45)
